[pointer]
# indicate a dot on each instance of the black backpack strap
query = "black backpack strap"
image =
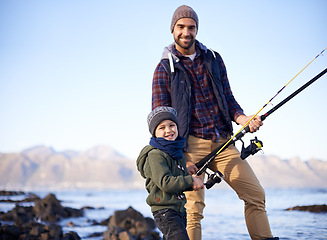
(214, 68)
(168, 65)
(213, 53)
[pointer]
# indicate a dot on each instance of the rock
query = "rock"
(36, 231)
(71, 224)
(50, 209)
(151, 223)
(10, 232)
(19, 215)
(54, 230)
(125, 235)
(31, 197)
(72, 212)
(104, 222)
(96, 234)
(11, 193)
(71, 236)
(47, 209)
(126, 224)
(129, 224)
(310, 208)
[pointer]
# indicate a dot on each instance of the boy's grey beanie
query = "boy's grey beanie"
(184, 12)
(158, 115)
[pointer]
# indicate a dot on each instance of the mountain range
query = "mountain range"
(102, 167)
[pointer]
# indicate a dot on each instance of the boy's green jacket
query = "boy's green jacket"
(166, 179)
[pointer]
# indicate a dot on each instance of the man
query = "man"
(193, 80)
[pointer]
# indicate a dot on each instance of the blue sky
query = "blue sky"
(76, 74)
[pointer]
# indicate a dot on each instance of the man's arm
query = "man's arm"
(234, 108)
(160, 88)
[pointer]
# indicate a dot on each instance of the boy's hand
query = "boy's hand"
(197, 183)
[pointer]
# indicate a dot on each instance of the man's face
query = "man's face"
(184, 35)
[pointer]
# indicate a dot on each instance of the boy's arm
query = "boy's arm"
(162, 176)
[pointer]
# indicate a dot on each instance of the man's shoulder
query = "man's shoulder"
(208, 52)
(164, 65)
(213, 54)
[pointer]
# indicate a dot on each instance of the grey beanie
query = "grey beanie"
(184, 12)
(158, 115)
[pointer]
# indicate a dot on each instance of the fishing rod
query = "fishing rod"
(255, 144)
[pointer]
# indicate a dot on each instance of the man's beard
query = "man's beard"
(183, 45)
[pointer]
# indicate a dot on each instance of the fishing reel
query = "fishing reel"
(253, 148)
(213, 178)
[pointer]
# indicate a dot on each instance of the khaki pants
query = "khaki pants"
(239, 175)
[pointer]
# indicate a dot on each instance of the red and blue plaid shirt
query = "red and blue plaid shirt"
(206, 121)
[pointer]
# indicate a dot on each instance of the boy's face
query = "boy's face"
(167, 129)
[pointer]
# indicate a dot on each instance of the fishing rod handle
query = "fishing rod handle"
(246, 130)
(204, 162)
(208, 159)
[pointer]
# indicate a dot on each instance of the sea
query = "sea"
(224, 212)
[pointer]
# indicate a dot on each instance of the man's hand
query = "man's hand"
(191, 168)
(254, 125)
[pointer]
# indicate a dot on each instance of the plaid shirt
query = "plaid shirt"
(206, 121)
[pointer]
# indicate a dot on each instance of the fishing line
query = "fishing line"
(243, 130)
(278, 93)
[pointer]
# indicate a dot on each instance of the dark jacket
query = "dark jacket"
(180, 87)
(166, 179)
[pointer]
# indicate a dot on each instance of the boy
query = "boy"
(163, 165)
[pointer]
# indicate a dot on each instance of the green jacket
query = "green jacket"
(166, 179)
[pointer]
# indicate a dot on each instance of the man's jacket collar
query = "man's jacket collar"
(172, 50)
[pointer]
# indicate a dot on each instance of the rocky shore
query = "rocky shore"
(40, 221)
(38, 218)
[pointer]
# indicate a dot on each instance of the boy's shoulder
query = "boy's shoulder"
(156, 151)
(150, 150)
